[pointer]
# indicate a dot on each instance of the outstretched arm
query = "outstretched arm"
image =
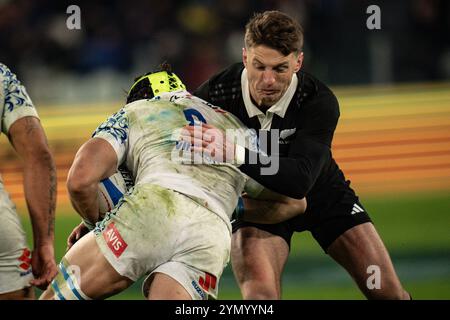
(28, 139)
(94, 161)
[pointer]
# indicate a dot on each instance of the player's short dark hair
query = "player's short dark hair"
(275, 30)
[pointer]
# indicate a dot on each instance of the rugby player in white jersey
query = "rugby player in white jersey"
(20, 122)
(174, 224)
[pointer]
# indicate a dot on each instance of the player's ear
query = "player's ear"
(244, 56)
(299, 62)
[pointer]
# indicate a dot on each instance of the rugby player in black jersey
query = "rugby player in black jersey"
(269, 91)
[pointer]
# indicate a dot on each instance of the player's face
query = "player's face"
(269, 73)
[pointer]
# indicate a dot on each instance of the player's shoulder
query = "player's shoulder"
(14, 97)
(5, 72)
(312, 91)
(141, 106)
(135, 105)
(230, 74)
(311, 86)
(174, 101)
(224, 85)
(8, 76)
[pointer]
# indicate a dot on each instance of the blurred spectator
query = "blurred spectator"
(122, 38)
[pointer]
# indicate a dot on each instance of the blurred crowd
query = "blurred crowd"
(124, 38)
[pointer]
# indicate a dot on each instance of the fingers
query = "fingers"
(77, 233)
(40, 283)
(207, 126)
(205, 131)
(208, 141)
(45, 275)
(76, 236)
(203, 126)
(73, 237)
(43, 266)
(70, 243)
(201, 135)
(201, 150)
(195, 141)
(45, 279)
(193, 132)
(70, 240)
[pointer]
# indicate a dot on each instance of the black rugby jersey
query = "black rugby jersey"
(306, 165)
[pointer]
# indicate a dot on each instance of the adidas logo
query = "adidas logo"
(357, 209)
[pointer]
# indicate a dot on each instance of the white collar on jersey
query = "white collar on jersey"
(278, 108)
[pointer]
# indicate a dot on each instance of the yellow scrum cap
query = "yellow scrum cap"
(159, 82)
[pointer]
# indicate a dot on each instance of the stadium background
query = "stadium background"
(393, 139)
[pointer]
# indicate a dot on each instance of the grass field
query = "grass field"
(392, 142)
(415, 228)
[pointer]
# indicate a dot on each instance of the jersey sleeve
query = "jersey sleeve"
(115, 130)
(322, 119)
(14, 100)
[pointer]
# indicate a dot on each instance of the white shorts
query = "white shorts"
(154, 229)
(15, 257)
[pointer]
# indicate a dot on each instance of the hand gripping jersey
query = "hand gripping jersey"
(145, 136)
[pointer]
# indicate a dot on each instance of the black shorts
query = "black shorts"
(325, 223)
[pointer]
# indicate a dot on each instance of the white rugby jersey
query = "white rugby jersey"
(145, 136)
(14, 101)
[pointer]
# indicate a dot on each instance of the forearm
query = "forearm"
(94, 161)
(292, 179)
(270, 212)
(40, 193)
(292, 175)
(85, 202)
(82, 185)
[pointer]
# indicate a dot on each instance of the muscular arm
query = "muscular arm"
(94, 161)
(270, 207)
(29, 141)
(296, 173)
